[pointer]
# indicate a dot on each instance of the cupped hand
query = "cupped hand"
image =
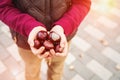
(63, 43)
(32, 36)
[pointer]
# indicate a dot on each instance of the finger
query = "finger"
(31, 42)
(52, 52)
(38, 51)
(31, 38)
(62, 44)
(60, 54)
(41, 50)
(64, 53)
(49, 56)
(63, 41)
(44, 55)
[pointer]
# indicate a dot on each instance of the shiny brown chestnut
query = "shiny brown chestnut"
(37, 44)
(58, 48)
(48, 45)
(54, 37)
(42, 35)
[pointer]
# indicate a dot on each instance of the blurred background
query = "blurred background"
(94, 53)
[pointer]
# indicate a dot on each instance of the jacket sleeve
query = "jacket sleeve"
(16, 20)
(74, 16)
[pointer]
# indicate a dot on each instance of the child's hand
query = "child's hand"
(32, 36)
(59, 30)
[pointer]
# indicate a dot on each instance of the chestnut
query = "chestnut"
(42, 35)
(54, 37)
(49, 41)
(37, 44)
(58, 48)
(48, 45)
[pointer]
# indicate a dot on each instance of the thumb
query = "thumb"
(31, 42)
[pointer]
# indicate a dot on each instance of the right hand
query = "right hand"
(32, 37)
(63, 43)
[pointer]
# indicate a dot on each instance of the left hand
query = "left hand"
(32, 37)
(59, 30)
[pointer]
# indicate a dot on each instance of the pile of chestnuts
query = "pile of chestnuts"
(49, 41)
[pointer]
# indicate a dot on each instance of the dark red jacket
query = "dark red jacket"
(23, 23)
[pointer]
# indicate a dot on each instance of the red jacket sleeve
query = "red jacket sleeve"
(72, 19)
(20, 22)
